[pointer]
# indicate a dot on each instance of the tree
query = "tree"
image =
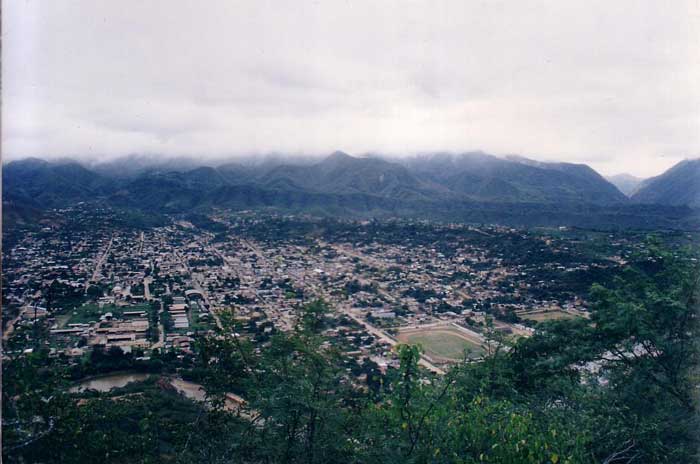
(313, 316)
(631, 367)
(94, 292)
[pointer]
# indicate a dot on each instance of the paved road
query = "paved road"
(369, 260)
(161, 329)
(369, 327)
(474, 229)
(386, 338)
(99, 263)
(345, 310)
(285, 324)
(198, 286)
(146, 290)
(11, 325)
(212, 309)
(366, 260)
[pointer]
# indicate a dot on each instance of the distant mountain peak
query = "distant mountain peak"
(624, 176)
(32, 162)
(339, 156)
(626, 183)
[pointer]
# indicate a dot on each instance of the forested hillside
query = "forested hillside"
(467, 187)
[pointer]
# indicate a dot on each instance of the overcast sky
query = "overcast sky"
(610, 83)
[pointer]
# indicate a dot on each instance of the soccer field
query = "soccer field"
(442, 344)
(547, 316)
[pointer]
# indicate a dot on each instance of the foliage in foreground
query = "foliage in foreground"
(619, 388)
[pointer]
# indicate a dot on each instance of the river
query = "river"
(105, 383)
(191, 390)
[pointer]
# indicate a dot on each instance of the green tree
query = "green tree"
(632, 367)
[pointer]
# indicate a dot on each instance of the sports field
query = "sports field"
(540, 316)
(442, 344)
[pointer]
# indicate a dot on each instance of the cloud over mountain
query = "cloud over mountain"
(611, 85)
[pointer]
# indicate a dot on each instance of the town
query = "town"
(450, 288)
(227, 324)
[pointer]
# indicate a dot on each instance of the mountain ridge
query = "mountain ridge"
(679, 185)
(467, 186)
(473, 176)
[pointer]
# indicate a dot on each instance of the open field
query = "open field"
(92, 312)
(540, 316)
(443, 344)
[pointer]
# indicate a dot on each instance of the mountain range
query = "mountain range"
(470, 186)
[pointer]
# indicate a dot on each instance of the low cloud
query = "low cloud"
(612, 85)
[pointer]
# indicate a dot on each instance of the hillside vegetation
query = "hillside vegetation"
(471, 187)
(619, 388)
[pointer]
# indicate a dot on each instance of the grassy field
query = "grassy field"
(198, 324)
(442, 344)
(92, 312)
(547, 316)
